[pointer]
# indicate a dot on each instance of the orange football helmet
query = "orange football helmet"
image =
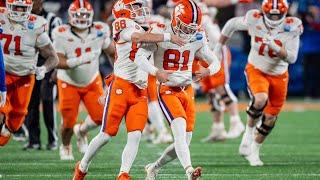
(274, 12)
(186, 19)
(80, 14)
(132, 9)
(19, 10)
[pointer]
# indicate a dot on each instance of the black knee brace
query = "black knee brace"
(214, 101)
(228, 97)
(254, 112)
(264, 129)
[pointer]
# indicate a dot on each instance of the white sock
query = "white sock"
(178, 127)
(249, 130)
(255, 147)
(156, 117)
(130, 151)
(87, 125)
(170, 154)
(95, 145)
(235, 119)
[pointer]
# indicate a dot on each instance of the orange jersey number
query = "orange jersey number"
(172, 58)
(262, 46)
(120, 25)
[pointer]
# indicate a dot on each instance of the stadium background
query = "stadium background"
(291, 152)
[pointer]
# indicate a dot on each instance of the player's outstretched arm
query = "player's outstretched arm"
(232, 25)
(141, 60)
(155, 38)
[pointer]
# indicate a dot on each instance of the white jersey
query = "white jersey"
(71, 45)
(260, 56)
(21, 42)
(124, 65)
(170, 56)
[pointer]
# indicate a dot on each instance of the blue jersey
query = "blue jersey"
(3, 86)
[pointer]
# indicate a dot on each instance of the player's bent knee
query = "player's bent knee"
(134, 137)
(267, 125)
(255, 109)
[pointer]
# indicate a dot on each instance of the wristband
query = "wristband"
(166, 37)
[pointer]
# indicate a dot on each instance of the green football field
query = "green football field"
(291, 152)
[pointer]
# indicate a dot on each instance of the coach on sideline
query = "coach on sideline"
(43, 90)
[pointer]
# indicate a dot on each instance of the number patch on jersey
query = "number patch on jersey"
(78, 51)
(120, 25)
(8, 38)
(172, 58)
(263, 46)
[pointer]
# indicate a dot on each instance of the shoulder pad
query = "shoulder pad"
(101, 28)
(252, 16)
(60, 30)
(293, 24)
(37, 23)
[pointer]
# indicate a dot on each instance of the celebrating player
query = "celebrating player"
(176, 97)
(127, 94)
(23, 36)
(274, 45)
(79, 46)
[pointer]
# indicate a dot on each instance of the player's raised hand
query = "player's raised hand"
(177, 40)
(3, 96)
(163, 75)
(201, 73)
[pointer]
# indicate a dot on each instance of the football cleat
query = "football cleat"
(151, 171)
(194, 174)
(82, 139)
(236, 129)
(163, 138)
(217, 134)
(78, 174)
(124, 176)
(66, 152)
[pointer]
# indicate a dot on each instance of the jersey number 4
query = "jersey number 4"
(8, 38)
(263, 46)
(172, 58)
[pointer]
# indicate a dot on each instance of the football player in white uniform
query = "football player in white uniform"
(127, 94)
(274, 45)
(79, 45)
(23, 37)
(176, 97)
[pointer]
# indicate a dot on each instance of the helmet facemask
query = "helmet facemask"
(19, 11)
(81, 18)
(274, 18)
(185, 31)
(139, 12)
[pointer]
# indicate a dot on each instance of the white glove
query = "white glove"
(84, 59)
(218, 51)
(40, 72)
(3, 96)
(269, 41)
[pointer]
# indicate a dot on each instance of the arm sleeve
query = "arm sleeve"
(142, 61)
(2, 72)
(208, 55)
(234, 24)
(43, 40)
(292, 48)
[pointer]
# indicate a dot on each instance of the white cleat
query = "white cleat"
(236, 129)
(82, 139)
(151, 171)
(216, 135)
(254, 157)
(66, 152)
(163, 138)
(194, 174)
